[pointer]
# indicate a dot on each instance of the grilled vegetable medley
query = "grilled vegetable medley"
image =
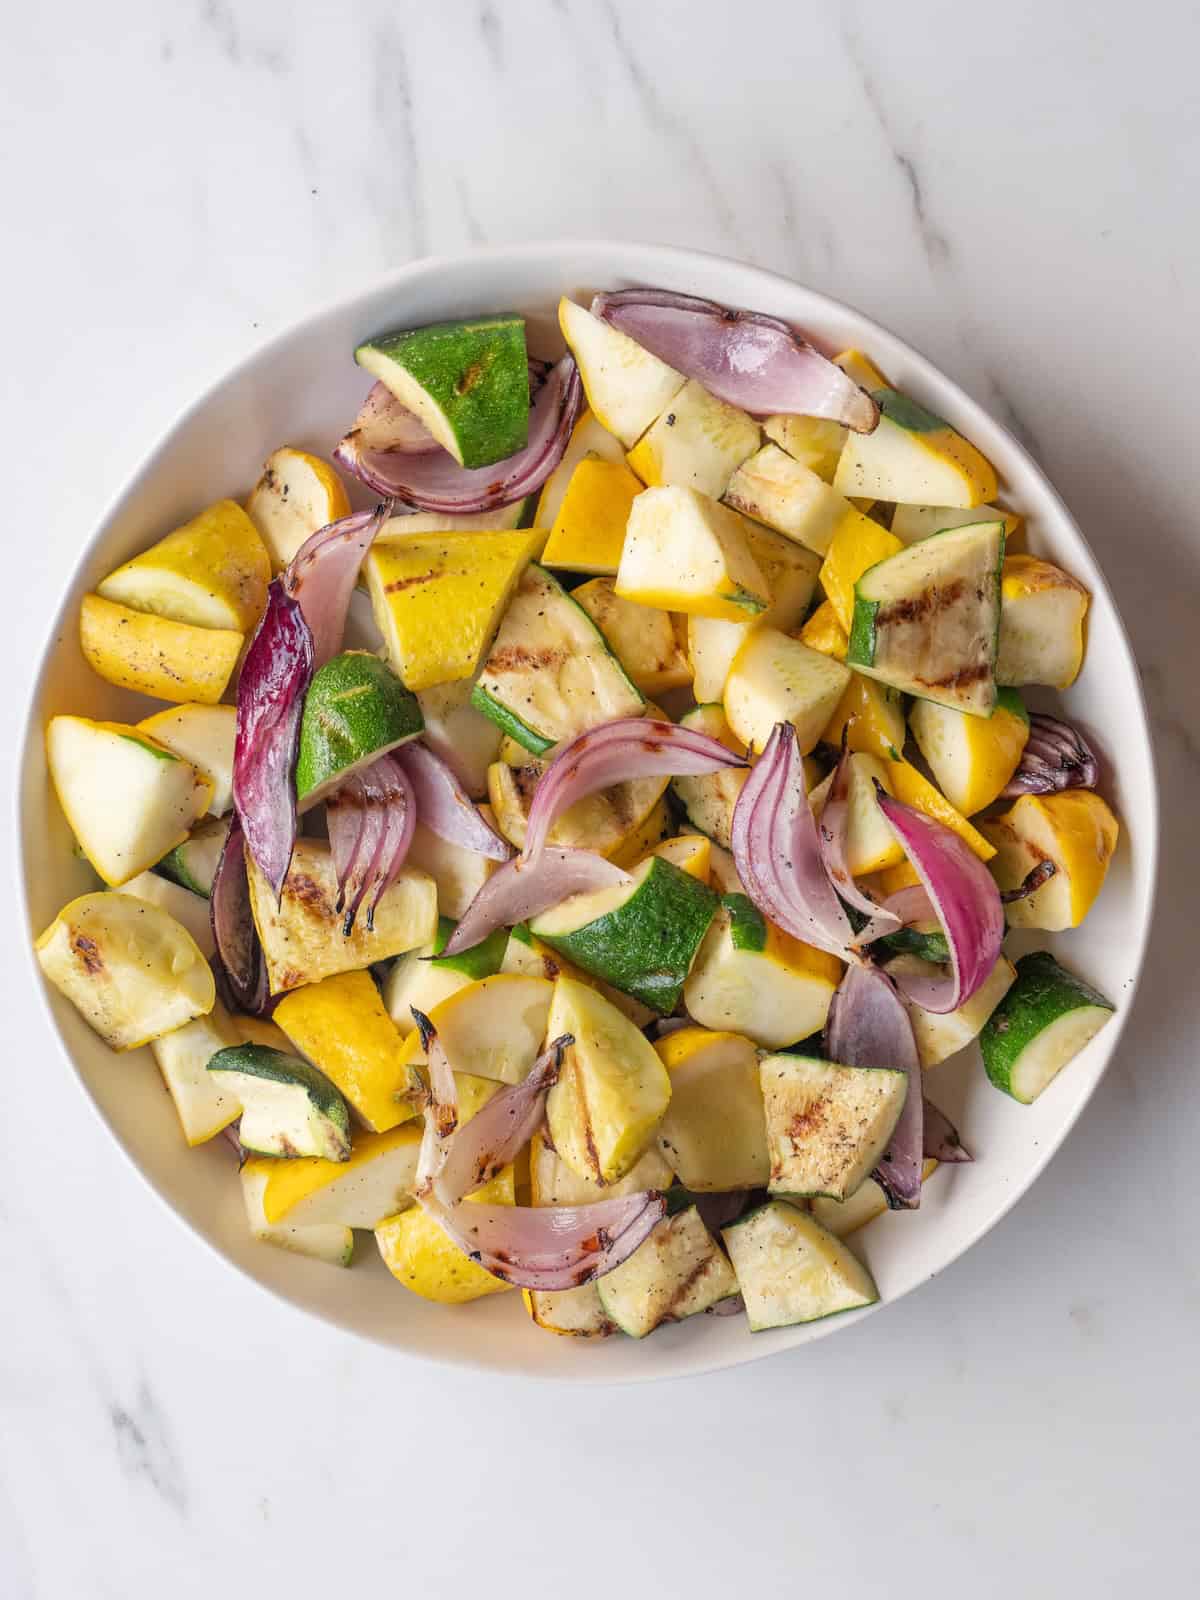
(586, 921)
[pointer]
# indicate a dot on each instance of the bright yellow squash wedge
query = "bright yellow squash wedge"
(213, 573)
(857, 543)
(825, 633)
(153, 655)
(972, 758)
(297, 494)
(914, 457)
(421, 1256)
(495, 1028)
(438, 598)
(687, 552)
(1077, 831)
(870, 716)
(589, 529)
(341, 1025)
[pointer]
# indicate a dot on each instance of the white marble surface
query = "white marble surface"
(1012, 188)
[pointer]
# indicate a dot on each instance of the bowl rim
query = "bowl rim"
(540, 251)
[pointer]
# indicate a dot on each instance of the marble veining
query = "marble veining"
(1011, 190)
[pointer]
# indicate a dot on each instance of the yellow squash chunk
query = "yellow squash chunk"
(1075, 830)
(640, 843)
(495, 1028)
(871, 845)
(130, 970)
(152, 655)
(698, 442)
(911, 523)
(907, 784)
(858, 543)
(341, 1025)
(1042, 613)
(626, 386)
(328, 1242)
(588, 438)
(571, 1313)
(775, 678)
(589, 530)
(690, 852)
(942, 1034)
(213, 573)
(459, 873)
(787, 496)
(844, 1217)
(870, 715)
(464, 738)
(297, 494)
(859, 366)
(526, 956)
(972, 758)
(612, 1090)
(714, 1132)
(203, 735)
(127, 797)
(302, 936)
(689, 553)
(426, 1260)
(915, 458)
(892, 879)
(815, 442)
(438, 598)
(553, 1183)
(825, 633)
(645, 639)
(603, 822)
(261, 1030)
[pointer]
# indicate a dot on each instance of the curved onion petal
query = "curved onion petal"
(234, 934)
(443, 1090)
(745, 358)
(550, 1247)
(902, 908)
(444, 806)
(384, 424)
(274, 679)
(434, 481)
(1031, 882)
(345, 812)
(521, 888)
(868, 1026)
(965, 901)
(941, 1141)
(321, 575)
(370, 821)
(832, 827)
(1056, 756)
(500, 1129)
(398, 836)
(778, 853)
(614, 752)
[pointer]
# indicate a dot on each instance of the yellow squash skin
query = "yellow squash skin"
(153, 655)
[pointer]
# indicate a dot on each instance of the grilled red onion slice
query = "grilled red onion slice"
(964, 898)
(234, 934)
(550, 1247)
(495, 1134)
(434, 481)
(1030, 883)
(370, 821)
(384, 424)
(274, 679)
(629, 747)
(322, 574)
(743, 357)
(868, 1026)
(900, 909)
(443, 1091)
(1056, 756)
(444, 806)
(778, 853)
(941, 1141)
(831, 830)
(523, 887)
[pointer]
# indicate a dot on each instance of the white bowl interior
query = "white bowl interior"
(302, 389)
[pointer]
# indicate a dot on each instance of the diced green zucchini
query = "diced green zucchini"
(679, 1270)
(288, 1107)
(193, 864)
(827, 1124)
(790, 1269)
(550, 674)
(641, 937)
(203, 1102)
(468, 382)
(927, 619)
(355, 711)
(1044, 1021)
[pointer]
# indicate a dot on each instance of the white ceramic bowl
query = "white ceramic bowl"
(302, 388)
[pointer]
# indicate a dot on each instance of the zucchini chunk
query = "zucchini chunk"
(790, 1269)
(341, 1026)
(550, 673)
(288, 1107)
(927, 619)
(827, 1125)
(677, 1272)
(423, 978)
(128, 967)
(193, 864)
(612, 1090)
(641, 937)
(302, 936)
(468, 382)
(1044, 1021)
(355, 711)
(753, 978)
(714, 1132)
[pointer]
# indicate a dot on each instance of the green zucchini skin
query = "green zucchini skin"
(645, 946)
(1043, 996)
(747, 925)
(481, 961)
